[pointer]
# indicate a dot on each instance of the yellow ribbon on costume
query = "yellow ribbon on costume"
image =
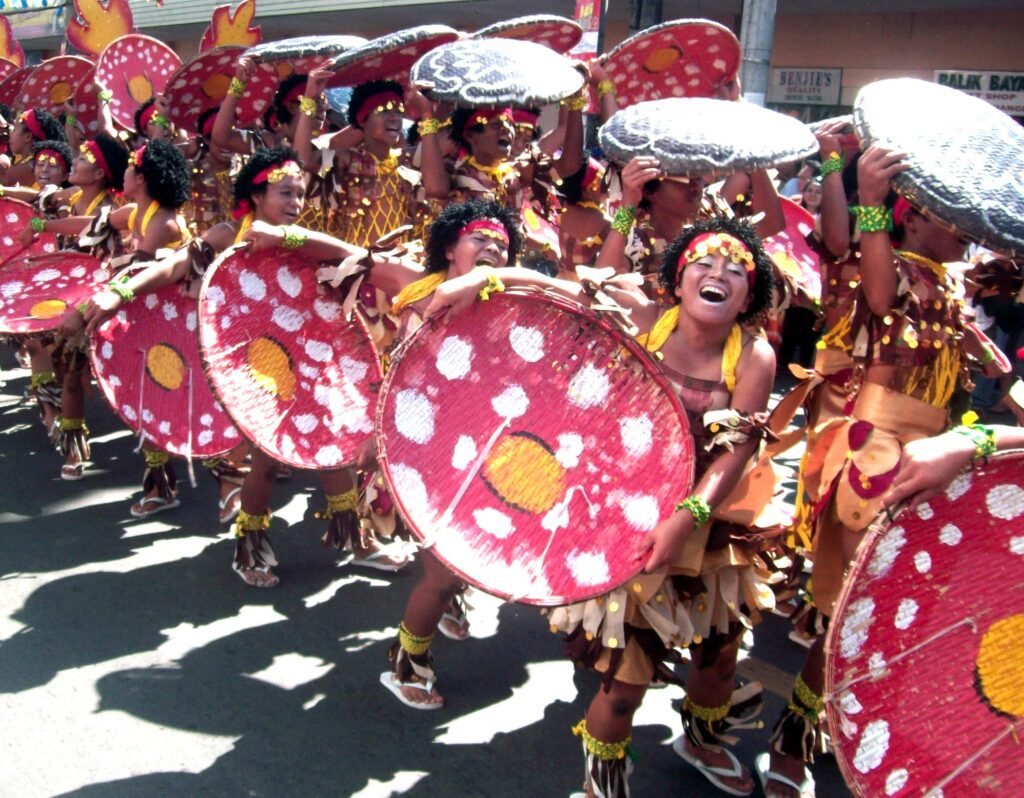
(416, 291)
(731, 356)
(666, 325)
(385, 166)
(243, 227)
(500, 170)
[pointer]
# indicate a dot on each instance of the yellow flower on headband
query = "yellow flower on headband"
(86, 153)
(49, 159)
(718, 243)
(287, 169)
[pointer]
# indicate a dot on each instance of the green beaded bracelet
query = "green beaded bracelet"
(983, 437)
(38, 224)
(293, 237)
(120, 287)
(105, 96)
(622, 222)
(834, 163)
(699, 509)
(873, 218)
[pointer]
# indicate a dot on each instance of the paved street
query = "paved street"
(133, 662)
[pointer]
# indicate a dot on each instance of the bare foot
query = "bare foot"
(720, 759)
(257, 577)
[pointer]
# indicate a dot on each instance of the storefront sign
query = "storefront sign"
(33, 19)
(1004, 90)
(805, 86)
(588, 15)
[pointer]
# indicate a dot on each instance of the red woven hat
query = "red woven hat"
(203, 82)
(87, 103)
(302, 54)
(799, 265)
(532, 445)
(35, 292)
(53, 82)
(15, 216)
(684, 58)
(10, 87)
(147, 364)
(134, 68)
(558, 33)
(7, 68)
(925, 664)
(390, 56)
(295, 377)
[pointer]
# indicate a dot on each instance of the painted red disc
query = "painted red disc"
(15, 216)
(134, 68)
(925, 661)
(53, 82)
(146, 361)
(10, 87)
(558, 33)
(7, 68)
(35, 292)
(532, 444)
(799, 265)
(203, 82)
(388, 57)
(685, 58)
(296, 378)
(87, 103)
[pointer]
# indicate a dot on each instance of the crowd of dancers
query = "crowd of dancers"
(434, 207)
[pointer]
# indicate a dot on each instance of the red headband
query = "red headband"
(492, 228)
(481, 116)
(521, 117)
(900, 211)
(380, 100)
(293, 95)
(274, 173)
(207, 128)
(145, 116)
(97, 157)
(55, 155)
(29, 120)
(135, 158)
(718, 243)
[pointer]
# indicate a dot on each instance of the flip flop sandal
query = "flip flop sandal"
(72, 472)
(713, 773)
(159, 505)
(386, 558)
(387, 678)
(246, 575)
(229, 507)
(764, 775)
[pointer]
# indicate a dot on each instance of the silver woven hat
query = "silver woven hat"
(473, 72)
(696, 135)
(964, 155)
(390, 56)
(682, 58)
(558, 33)
(303, 53)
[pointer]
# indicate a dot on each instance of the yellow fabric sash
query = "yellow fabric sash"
(243, 228)
(416, 291)
(666, 325)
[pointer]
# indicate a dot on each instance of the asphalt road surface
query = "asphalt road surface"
(133, 662)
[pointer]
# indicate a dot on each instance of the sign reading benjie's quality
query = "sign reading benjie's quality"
(805, 86)
(1004, 90)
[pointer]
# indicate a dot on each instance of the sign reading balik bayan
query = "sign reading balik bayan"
(1004, 90)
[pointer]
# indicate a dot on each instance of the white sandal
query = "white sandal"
(390, 681)
(764, 775)
(713, 773)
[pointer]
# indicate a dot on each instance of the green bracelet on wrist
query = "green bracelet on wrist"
(699, 509)
(873, 218)
(983, 437)
(293, 237)
(105, 96)
(622, 222)
(834, 163)
(38, 224)
(236, 88)
(120, 287)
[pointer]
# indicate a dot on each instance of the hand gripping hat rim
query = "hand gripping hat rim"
(201, 84)
(964, 157)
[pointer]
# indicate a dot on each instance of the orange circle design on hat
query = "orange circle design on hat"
(271, 368)
(48, 309)
(216, 86)
(60, 92)
(523, 472)
(662, 59)
(140, 88)
(1001, 666)
(165, 366)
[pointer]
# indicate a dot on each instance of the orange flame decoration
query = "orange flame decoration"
(96, 24)
(9, 47)
(227, 28)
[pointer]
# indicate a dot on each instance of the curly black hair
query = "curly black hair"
(139, 127)
(53, 129)
(166, 174)
(261, 159)
(459, 118)
(444, 232)
(366, 90)
(59, 146)
(760, 294)
(202, 119)
(116, 156)
(284, 116)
